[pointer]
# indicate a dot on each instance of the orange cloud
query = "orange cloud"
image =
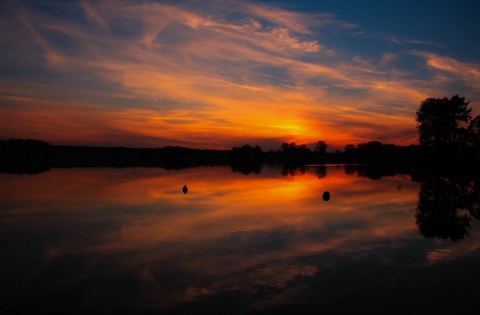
(468, 72)
(180, 75)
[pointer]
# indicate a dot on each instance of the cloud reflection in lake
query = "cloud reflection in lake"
(262, 241)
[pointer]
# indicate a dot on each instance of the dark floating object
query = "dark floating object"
(185, 189)
(326, 196)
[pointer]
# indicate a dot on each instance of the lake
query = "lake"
(241, 240)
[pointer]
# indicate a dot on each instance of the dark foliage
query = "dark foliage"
(442, 122)
(247, 151)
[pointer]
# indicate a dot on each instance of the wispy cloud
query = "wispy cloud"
(237, 71)
(469, 73)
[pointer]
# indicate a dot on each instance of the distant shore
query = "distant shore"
(32, 156)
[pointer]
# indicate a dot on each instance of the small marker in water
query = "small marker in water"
(185, 189)
(326, 196)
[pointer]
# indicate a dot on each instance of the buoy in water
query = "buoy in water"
(185, 189)
(326, 196)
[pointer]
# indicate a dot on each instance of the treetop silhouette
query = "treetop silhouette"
(444, 122)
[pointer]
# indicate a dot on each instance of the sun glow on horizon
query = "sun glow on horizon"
(157, 74)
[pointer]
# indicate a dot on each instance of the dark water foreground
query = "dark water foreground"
(239, 241)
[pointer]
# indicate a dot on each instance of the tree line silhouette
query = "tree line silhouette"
(448, 137)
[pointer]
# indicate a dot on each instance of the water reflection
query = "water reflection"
(246, 167)
(129, 240)
(446, 205)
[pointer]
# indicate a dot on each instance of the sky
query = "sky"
(222, 73)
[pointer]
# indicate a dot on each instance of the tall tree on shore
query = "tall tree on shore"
(441, 121)
(321, 147)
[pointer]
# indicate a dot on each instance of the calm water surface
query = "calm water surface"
(83, 241)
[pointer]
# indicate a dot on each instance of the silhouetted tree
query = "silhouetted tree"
(439, 121)
(247, 151)
(350, 153)
(349, 148)
(369, 149)
(294, 150)
(373, 146)
(321, 147)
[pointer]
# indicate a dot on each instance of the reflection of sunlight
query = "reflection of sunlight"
(289, 189)
(241, 232)
(273, 191)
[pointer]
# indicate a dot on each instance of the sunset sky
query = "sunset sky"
(223, 73)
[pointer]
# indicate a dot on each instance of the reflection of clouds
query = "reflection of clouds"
(230, 233)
